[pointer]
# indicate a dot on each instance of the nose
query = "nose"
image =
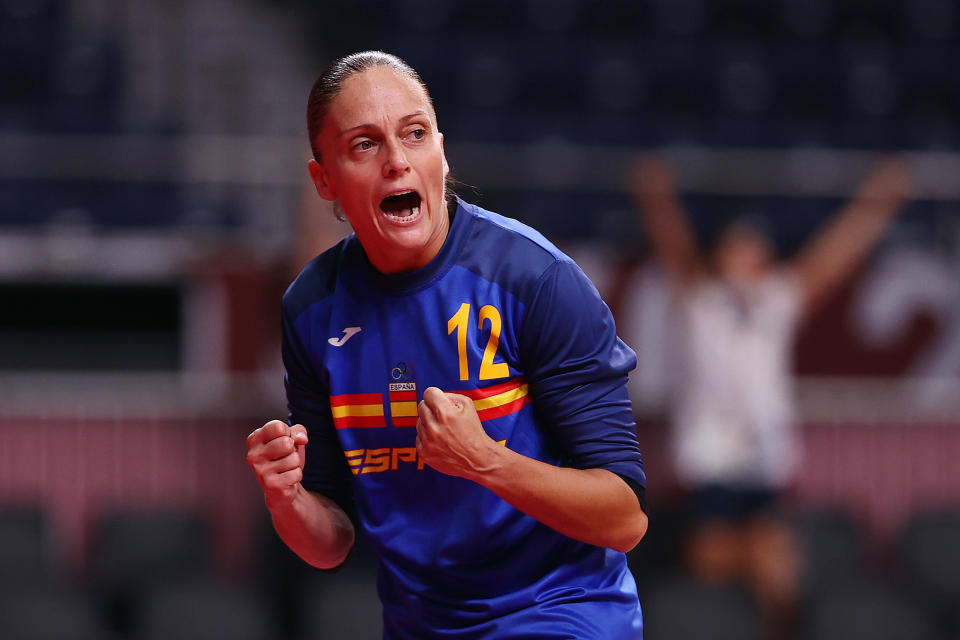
(396, 160)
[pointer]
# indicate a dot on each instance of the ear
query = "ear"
(446, 167)
(320, 180)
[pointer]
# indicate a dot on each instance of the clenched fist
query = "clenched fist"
(450, 436)
(275, 452)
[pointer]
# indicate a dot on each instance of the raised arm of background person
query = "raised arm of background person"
(662, 215)
(311, 524)
(831, 255)
(591, 505)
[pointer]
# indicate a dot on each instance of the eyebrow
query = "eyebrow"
(419, 113)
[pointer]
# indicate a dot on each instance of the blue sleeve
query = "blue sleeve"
(325, 467)
(577, 370)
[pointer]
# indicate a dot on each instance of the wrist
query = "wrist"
(283, 500)
(496, 459)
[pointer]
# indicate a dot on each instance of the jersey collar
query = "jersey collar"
(405, 282)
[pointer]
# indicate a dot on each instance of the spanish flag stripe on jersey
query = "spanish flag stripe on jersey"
(359, 422)
(500, 399)
(403, 408)
(357, 410)
(497, 389)
(356, 398)
(504, 409)
(367, 410)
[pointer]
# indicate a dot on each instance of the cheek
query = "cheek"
(353, 185)
(438, 171)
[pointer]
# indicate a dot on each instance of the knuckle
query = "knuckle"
(261, 473)
(274, 482)
(269, 448)
(460, 402)
(260, 434)
(285, 445)
(279, 465)
(299, 430)
(275, 428)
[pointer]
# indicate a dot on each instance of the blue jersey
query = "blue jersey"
(503, 317)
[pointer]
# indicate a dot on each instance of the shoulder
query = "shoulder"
(317, 281)
(506, 251)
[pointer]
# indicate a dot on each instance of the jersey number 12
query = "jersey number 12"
(460, 321)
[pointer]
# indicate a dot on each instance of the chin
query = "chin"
(408, 239)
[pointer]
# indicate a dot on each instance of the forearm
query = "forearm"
(313, 526)
(837, 250)
(591, 505)
(663, 216)
(842, 247)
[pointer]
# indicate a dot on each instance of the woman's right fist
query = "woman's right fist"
(275, 452)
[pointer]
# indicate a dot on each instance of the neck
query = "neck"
(406, 262)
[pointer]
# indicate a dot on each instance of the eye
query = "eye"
(418, 134)
(363, 145)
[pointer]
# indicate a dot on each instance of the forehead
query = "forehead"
(740, 235)
(377, 95)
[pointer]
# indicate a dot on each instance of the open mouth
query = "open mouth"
(400, 206)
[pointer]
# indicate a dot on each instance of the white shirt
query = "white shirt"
(733, 417)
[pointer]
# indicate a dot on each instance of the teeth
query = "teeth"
(405, 214)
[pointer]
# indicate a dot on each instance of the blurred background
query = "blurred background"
(154, 205)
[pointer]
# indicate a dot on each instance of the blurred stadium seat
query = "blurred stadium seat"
(866, 611)
(678, 609)
(658, 554)
(279, 574)
(201, 610)
(928, 551)
(48, 613)
(137, 546)
(136, 550)
(29, 45)
(833, 548)
(26, 549)
(302, 598)
(341, 606)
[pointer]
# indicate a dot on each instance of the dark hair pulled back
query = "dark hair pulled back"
(330, 83)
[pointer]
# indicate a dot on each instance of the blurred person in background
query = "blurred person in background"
(732, 412)
(501, 505)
